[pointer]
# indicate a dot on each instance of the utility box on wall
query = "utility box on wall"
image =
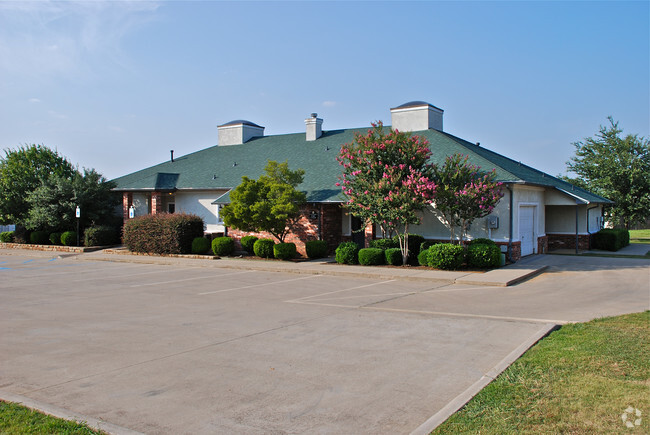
(493, 222)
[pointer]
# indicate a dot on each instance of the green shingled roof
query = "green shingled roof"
(221, 167)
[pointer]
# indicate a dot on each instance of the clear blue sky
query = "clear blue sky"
(114, 86)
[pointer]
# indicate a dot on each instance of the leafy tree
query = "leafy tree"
(464, 193)
(617, 168)
(387, 179)
(53, 203)
(270, 204)
(21, 172)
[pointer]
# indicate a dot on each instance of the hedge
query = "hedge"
(247, 243)
(446, 256)
(384, 243)
(39, 238)
(55, 238)
(200, 245)
(483, 255)
(394, 256)
(347, 253)
(316, 248)
(611, 239)
(163, 233)
(263, 248)
(100, 235)
(69, 238)
(223, 246)
(482, 241)
(284, 251)
(7, 237)
(371, 256)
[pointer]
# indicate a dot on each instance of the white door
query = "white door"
(526, 229)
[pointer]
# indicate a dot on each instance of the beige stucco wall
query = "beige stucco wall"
(562, 219)
(200, 204)
(529, 196)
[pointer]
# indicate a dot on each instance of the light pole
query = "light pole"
(78, 214)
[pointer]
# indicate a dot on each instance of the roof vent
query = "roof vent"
(238, 132)
(314, 126)
(416, 116)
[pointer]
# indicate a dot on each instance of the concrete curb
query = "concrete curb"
(54, 411)
(486, 279)
(463, 398)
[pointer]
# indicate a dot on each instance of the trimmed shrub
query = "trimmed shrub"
(55, 238)
(611, 239)
(426, 245)
(384, 243)
(247, 243)
(200, 245)
(347, 253)
(446, 256)
(163, 233)
(371, 256)
(284, 251)
(39, 238)
(394, 256)
(263, 248)
(316, 248)
(482, 241)
(7, 237)
(100, 235)
(423, 257)
(223, 246)
(69, 238)
(483, 255)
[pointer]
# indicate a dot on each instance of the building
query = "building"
(537, 213)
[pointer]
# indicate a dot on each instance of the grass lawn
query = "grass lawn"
(578, 380)
(16, 419)
(640, 236)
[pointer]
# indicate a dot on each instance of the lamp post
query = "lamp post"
(78, 214)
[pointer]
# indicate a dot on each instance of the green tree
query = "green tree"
(21, 172)
(617, 168)
(52, 205)
(271, 203)
(387, 179)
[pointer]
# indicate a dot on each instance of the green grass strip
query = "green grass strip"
(578, 380)
(17, 419)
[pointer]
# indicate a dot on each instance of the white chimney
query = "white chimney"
(238, 132)
(314, 127)
(416, 116)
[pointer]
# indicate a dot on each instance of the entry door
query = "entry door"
(358, 237)
(527, 229)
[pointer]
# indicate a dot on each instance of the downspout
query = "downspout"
(511, 220)
(577, 226)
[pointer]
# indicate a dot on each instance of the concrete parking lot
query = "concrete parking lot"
(193, 347)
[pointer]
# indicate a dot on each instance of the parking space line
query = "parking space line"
(339, 291)
(126, 276)
(366, 296)
(189, 279)
(28, 261)
(256, 285)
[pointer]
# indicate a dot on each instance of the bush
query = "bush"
(39, 238)
(200, 245)
(69, 238)
(347, 253)
(223, 246)
(423, 256)
(316, 248)
(263, 248)
(394, 256)
(483, 255)
(7, 237)
(284, 251)
(446, 256)
(163, 233)
(384, 243)
(426, 245)
(482, 241)
(55, 238)
(611, 239)
(247, 243)
(371, 256)
(100, 235)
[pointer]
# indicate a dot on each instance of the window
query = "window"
(219, 219)
(171, 207)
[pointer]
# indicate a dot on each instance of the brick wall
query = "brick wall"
(542, 245)
(127, 201)
(568, 241)
(156, 203)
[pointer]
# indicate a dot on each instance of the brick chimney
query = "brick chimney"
(416, 116)
(238, 132)
(314, 127)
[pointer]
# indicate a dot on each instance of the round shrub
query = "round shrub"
(371, 256)
(284, 251)
(223, 246)
(394, 256)
(483, 255)
(247, 243)
(7, 237)
(200, 245)
(39, 238)
(69, 238)
(347, 253)
(446, 256)
(423, 257)
(55, 238)
(316, 248)
(263, 248)
(384, 243)
(100, 235)
(482, 241)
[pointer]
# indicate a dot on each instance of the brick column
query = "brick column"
(369, 233)
(127, 201)
(156, 203)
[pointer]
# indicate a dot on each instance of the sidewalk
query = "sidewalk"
(502, 277)
(640, 249)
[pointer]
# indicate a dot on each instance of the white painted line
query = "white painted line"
(366, 296)
(322, 305)
(188, 279)
(125, 276)
(339, 291)
(256, 285)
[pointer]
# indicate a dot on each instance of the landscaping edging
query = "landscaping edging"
(51, 248)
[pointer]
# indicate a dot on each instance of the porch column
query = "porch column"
(156, 203)
(127, 201)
